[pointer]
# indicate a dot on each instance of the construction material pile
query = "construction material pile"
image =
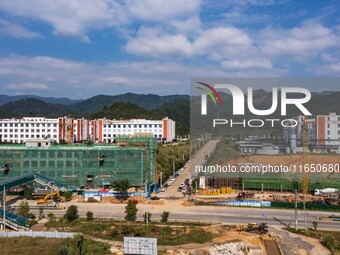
(238, 248)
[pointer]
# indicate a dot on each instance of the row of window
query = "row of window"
(134, 126)
(27, 130)
(134, 130)
(24, 136)
(28, 125)
(109, 135)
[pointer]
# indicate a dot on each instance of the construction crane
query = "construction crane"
(305, 143)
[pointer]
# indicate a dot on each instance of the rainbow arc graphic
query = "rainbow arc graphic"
(209, 90)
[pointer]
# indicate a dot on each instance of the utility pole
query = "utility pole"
(173, 167)
(161, 179)
(296, 213)
(4, 208)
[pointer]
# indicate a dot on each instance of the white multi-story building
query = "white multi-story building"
(72, 130)
(163, 130)
(18, 130)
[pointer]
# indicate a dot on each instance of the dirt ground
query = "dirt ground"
(286, 159)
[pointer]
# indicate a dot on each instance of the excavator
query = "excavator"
(54, 194)
(261, 228)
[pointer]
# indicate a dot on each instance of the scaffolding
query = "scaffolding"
(265, 183)
(132, 158)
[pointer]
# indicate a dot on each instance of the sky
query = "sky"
(81, 48)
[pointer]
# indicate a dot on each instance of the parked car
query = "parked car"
(154, 198)
(184, 190)
(163, 189)
(179, 189)
(182, 185)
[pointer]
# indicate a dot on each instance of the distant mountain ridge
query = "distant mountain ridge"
(152, 106)
(4, 99)
(127, 105)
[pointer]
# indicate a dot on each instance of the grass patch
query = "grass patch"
(225, 151)
(166, 154)
(330, 239)
(39, 245)
(167, 234)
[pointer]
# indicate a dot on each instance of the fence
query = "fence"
(47, 234)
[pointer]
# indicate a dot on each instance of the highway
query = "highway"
(207, 214)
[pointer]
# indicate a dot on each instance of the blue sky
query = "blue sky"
(81, 48)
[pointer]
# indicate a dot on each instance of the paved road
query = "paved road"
(197, 160)
(209, 214)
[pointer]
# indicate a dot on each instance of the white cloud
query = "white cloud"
(74, 18)
(215, 42)
(69, 17)
(17, 31)
(60, 77)
(154, 43)
(27, 85)
(247, 64)
(161, 10)
(306, 41)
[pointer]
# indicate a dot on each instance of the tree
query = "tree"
(131, 212)
(41, 213)
(28, 193)
(71, 213)
(89, 215)
(121, 186)
(67, 195)
(23, 209)
(315, 225)
(164, 216)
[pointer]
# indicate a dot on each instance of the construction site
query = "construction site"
(82, 165)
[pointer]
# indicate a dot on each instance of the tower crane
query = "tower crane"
(305, 143)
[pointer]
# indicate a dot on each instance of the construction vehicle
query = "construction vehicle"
(244, 195)
(261, 228)
(54, 195)
(327, 191)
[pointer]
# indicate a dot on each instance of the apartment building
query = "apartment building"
(73, 130)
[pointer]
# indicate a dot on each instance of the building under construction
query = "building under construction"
(265, 183)
(132, 158)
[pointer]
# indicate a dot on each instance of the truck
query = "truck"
(326, 191)
(244, 195)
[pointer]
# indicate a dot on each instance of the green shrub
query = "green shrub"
(89, 215)
(165, 216)
(331, 243)
(71, 213)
